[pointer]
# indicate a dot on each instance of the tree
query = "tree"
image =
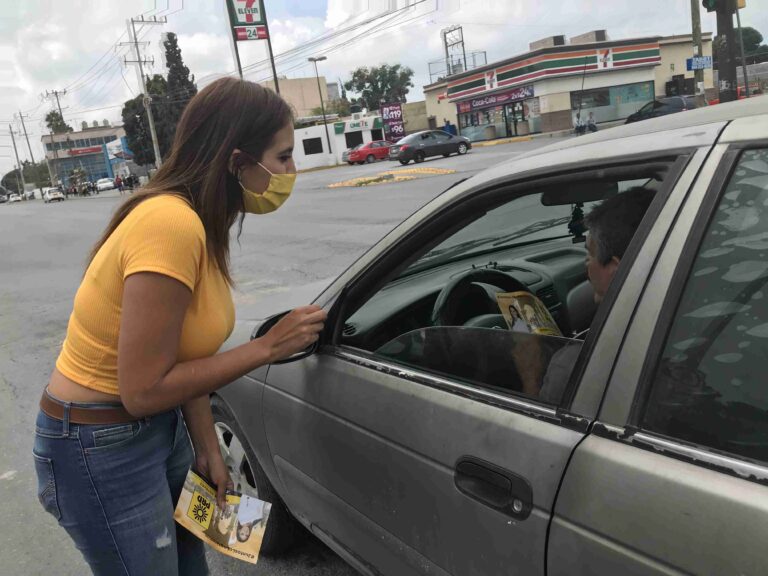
(380, 84)
(181, 86)
(169, 98)
(340, 107)
(56, 123)
(136, 125)
(36, 174)
(752, 45)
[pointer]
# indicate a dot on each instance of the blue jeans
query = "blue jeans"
(114, 488)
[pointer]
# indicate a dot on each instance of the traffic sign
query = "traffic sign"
(698, 63)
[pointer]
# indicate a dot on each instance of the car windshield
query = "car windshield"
(523, 221)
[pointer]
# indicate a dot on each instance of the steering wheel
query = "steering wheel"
(446, 308)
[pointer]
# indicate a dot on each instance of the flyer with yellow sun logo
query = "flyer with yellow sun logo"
(236, 530)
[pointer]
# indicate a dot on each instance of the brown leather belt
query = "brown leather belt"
(107, 414)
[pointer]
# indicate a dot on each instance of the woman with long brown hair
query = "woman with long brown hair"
(131, 384)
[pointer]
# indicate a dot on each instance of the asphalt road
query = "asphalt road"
(281, 260)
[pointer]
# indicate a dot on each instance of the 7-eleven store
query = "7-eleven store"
(541, 91)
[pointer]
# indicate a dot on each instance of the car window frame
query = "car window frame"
(668, 312)
(493, 195)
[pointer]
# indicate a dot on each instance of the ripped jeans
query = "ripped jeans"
(114, 488)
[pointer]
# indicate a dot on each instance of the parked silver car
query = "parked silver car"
(405, 440)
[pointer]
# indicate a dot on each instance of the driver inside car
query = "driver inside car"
(612, 225)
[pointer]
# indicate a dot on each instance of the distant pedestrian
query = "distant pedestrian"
(140, 359)
(591, 125)
(119, 184)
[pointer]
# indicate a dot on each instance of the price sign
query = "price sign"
(392, 119)
(251, 33)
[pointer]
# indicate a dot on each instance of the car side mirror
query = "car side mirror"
(267, 325)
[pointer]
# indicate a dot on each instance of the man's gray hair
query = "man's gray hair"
(613, 222)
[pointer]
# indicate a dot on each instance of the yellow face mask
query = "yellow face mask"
(277, 192)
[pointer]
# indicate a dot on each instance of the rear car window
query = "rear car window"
(709, 386)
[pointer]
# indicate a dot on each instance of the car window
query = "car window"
(443, 314)
(708, 386)
(441, 136)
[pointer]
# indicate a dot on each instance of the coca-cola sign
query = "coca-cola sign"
(513, 95)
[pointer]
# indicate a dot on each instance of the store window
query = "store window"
(612, 103)
(483, 124)
(313, 146)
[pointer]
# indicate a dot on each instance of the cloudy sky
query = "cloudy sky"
(75, 44)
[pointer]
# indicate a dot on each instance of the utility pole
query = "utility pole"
(743, 60)
(698, 49)
(21, 168)
(55, 94)
(23, 126)
(147, 100)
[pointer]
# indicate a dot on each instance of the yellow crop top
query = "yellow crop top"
(163, 235)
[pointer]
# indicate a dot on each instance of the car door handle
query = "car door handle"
(493, 486)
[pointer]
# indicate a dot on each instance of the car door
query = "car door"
(405, 470)
(445, 143)
(673, 478)
(428, 144)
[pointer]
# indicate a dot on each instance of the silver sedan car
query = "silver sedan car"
(417, 437)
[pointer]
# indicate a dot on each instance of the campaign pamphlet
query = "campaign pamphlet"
(235, 530)
(524, 312)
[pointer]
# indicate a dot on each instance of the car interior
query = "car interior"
(438, 308)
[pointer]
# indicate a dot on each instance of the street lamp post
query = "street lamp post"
(322, 106)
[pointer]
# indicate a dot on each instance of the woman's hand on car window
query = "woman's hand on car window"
(295, 332)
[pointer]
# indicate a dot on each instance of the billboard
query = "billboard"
(117, 150)
(392, 118)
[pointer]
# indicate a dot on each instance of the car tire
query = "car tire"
(283, 529)
(462, 149)
(419, 157)
(370, 159)
(404, 162)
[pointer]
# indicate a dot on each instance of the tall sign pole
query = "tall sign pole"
(248, 21)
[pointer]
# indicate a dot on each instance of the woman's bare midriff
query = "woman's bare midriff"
(70, 391)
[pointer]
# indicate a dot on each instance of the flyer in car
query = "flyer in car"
(524, 312)
(235, 530)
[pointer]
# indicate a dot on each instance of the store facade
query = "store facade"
(497, 115)
(543, 90)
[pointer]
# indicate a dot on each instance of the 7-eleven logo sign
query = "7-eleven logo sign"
(605, 58)
(247, 12)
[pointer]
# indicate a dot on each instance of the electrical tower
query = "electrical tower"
(453, 42)
(147, 99)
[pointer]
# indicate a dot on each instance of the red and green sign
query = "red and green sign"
(246, 18)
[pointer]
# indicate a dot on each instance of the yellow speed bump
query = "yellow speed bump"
(425, 170)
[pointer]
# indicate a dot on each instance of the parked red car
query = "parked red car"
(376, 150)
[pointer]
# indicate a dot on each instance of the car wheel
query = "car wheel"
(404, 162)
(370, 158)
(419, 157)
(249, 478)
(462, 148)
